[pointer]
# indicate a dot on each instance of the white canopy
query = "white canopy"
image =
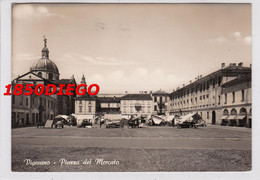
(157, 119)
(62, 116)
(190, 117)
(170, 118)
(113, 116)
(84, 116)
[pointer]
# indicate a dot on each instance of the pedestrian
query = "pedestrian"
(100, 123)
(122, 124)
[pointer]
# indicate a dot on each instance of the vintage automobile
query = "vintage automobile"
(201, 123)
(58, 124)
(133, 122)
(112, 123)
(84, 122)
(40, 124)
(186, 124)
(112, 120)
(72, 121)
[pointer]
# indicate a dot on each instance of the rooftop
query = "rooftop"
(160, 92)
(137, 97)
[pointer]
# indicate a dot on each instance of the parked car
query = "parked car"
(86, 122)
(112, 123)
(40, 124)
(201, 123)
(133, 123)
(187, 124)
(58, 124)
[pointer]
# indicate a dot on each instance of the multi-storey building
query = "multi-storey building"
(140, 104)
(237, 101)
(160, 99)
(85, 105)
(29, 110)
(108, 105)
(204, 95)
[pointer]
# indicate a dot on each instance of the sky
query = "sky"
(132, 47)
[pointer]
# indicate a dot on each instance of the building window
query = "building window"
(124, 109)
(201, 114)
(219, 80)
(207, 115)
(13, 99)
(243, 95)
(219, 100)
(80, 109)
(80, 101)
(39, 74)
(50, 76)
(234, 97)
(155, 108)
(148, 109)
(26, 101)
(131, 109)
(89, 109)
(225, 98)
(155, 99)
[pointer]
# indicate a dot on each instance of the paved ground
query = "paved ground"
(212, 148)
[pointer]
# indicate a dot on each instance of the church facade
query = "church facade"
(29, 110)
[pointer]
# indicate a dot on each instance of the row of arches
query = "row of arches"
(233, 118)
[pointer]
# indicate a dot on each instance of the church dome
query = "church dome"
(45, 64)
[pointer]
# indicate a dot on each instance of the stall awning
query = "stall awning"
(85, 116)
(156, 119)
(241, 117)
(224, 117)
(62, 116)
(232, 117)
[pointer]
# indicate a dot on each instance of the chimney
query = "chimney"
(173, 90)
(183, 85)
(240, 64)
(190, 81)
(200, 76)
(126, 92)
(222, 65)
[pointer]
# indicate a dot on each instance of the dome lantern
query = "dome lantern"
(45, 67)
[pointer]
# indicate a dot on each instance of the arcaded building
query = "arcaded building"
(207, 95)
